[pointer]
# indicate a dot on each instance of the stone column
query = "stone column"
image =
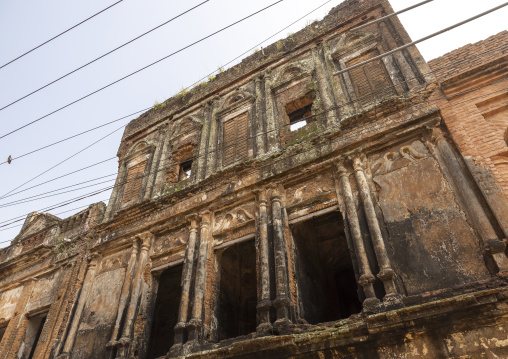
(160, 176)
(125, 293)
(264, 302)
(188, 267)
(323, 85)
(405, 68)
(203, 143)
(386, 273)
(366, 278)
(212, 143)
(195, 325)
(260, 136)
(154, 168)
(281, 302)
(87, 285)
(271, 126)
(493, 246)
(125, 341)
(117, 190)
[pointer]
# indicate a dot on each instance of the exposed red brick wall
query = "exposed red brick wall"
(460, 60)
(476, 109)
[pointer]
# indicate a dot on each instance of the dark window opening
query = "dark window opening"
(299, 111)
(165, 315)
(185, 170)
(32, 335)
(238, 291)
(328, 289)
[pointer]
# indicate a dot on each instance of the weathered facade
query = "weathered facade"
(288, 209)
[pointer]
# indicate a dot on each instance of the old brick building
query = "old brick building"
(289, 209)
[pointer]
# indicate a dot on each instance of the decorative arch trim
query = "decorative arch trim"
(291, 72)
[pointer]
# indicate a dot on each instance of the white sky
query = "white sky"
(25, 24)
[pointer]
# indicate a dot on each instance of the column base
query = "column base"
(281, 304)
(281, 323)
(175, 350)
(393, 301)
(371, 305)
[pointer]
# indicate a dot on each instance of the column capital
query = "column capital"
(341, 168)
(437, 135)
(193, 221)
(206, 217)
(267, 74)
(163, 128)
(260, 194)
(358, 161)
(92, 258)
(146, 239)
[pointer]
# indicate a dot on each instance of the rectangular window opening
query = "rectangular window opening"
(238, 291)
(32, 335)
(185, 170)
(298, 111)
(325, 270)
(165, 315)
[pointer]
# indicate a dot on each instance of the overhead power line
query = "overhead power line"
(141, 69)
(59, 163)
(104, 55)
(148, 108)
(34, 186)
(250, 137)
(64, 175)
(390, 15)
(251, 170)
(60, 34)
(74, 136)
(422, 39)
(195, 127)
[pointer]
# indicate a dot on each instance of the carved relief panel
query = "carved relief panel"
(170, 246)
(234, 222)
(311, 195)
(431, 241)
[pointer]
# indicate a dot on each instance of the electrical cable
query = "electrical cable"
(187, 88)
(141, 69)
(282, 30)
(103, 55)
(271, 163)
(390, 15)
(455, 64)
(59, 163)
(148, 108)
(65, 175)
(41, 196)
(60, 34)
(73, 136)
(277, 160)
(422, 39)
